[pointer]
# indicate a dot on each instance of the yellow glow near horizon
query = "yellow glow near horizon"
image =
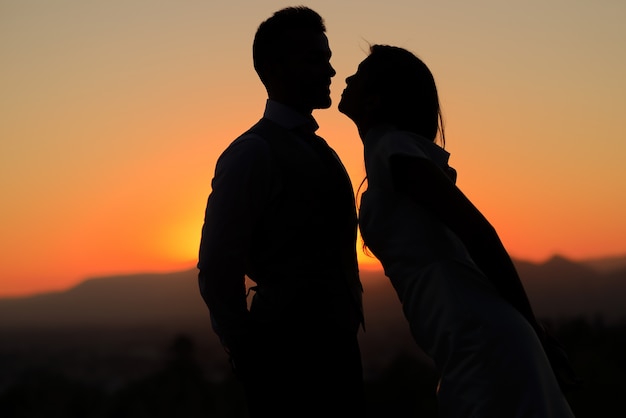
(113, 114)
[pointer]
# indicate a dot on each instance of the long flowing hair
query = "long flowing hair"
(407, 90)
(408, 94)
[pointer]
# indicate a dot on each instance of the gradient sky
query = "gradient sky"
(113, 113)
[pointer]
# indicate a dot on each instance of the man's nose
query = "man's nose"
(332, 70)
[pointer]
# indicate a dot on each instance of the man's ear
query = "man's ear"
(273, 69)
(274, 76)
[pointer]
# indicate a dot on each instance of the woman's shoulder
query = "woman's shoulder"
(399, 142)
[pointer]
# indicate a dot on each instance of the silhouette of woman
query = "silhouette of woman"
(458, 287)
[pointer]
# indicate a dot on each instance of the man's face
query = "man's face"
(306, 72)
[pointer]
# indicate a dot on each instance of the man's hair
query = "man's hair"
(408, 90)
(272, 40)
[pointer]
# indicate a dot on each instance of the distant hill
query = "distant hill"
(128, 300)
(557, 288)
(563, 288)
(606, 264)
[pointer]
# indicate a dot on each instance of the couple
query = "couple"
(282, 212)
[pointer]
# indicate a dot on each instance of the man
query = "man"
(281, 212)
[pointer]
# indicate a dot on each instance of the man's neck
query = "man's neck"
(303, 110)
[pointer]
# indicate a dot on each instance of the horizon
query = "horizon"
(602, 264)
(557, 290)
(114, 113)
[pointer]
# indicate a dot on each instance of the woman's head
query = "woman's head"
(393, 86)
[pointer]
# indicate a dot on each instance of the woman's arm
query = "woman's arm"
(431, 187)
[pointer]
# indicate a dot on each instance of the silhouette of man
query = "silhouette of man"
(281, 211)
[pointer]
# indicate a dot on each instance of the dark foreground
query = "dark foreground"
(138, 373)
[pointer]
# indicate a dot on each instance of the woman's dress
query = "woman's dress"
(490, 360)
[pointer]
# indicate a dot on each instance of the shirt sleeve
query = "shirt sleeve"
(240, 189)
(400, 146)
(382, 154)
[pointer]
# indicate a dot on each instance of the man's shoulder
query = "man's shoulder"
(261, 136)
(246, 148)
(248, 139)
(252, 138)
(268, 129)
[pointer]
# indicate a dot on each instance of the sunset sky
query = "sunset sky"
(113, 113)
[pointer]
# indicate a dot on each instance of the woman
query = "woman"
(459, 289)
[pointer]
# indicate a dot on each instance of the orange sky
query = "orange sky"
(112, 116)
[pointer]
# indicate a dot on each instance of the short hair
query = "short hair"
(272, 40)
(407, 89)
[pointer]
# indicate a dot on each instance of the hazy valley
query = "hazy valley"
(112, 331)
(557, 288)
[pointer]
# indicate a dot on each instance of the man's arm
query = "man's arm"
(239, 191)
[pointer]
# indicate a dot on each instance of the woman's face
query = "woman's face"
(356, 98)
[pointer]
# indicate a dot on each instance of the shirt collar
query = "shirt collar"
(287, 117)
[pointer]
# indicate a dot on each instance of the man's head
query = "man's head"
(292, 58)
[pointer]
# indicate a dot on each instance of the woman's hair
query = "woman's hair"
(407, 89)
(409, 98)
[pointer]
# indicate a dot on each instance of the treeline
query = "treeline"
(179, 387)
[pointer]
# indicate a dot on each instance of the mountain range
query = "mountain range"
(558, 288)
